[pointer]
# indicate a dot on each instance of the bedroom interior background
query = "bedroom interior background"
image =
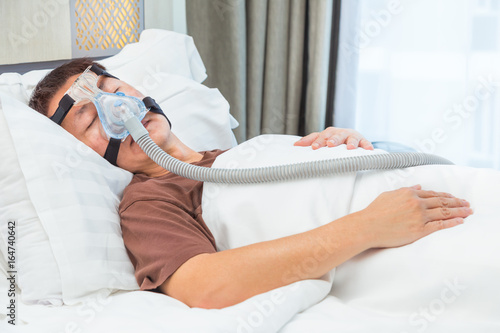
(271, 60)
(43, 34)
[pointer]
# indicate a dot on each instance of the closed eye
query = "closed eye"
(83, 110)
(92, 122)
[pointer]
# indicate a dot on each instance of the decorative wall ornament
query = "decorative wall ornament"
(103, 28)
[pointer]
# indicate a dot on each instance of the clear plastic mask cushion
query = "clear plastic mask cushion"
(112, 109)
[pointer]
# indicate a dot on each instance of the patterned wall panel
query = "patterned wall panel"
(104, 27)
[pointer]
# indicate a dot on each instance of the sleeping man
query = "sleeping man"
(171, 247)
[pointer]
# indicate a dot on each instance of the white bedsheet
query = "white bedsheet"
(138, 311)
(446, 282)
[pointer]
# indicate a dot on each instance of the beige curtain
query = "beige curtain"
(269, 58)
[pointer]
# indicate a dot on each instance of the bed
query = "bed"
(70, 271)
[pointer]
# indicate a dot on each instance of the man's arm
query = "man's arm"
(395, 218)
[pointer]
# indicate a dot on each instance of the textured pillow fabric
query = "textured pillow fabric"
(4, 283)
(12, 85)
(75, 194)
(34, 259)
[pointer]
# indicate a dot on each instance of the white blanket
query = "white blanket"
(142, 311)
(449, 276)
(446, 282)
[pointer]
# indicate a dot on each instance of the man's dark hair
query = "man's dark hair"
(53, 81)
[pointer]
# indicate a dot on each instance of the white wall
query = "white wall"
(165, 14)
(39, 30)
(34, 30)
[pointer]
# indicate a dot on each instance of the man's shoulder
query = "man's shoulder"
(143, 188)
(169, 187)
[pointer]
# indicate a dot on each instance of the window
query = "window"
(423, 73)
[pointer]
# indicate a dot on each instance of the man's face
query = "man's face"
(83, 122)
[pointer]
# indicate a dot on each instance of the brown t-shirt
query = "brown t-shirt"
(162, 224)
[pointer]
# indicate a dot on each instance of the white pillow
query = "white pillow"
(70, 193)
(34, 258)
(199, 115)
(242, 214)
(12, 84)
(75, 194)
(3, 253)
(157, 51)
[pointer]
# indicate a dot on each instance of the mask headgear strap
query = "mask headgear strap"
(111, 153)
(155, 108)
(65, 105)
(99, 71)
(67, 102)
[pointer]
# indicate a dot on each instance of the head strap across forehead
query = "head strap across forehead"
(65, 105)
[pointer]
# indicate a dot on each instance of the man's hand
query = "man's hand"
(333, 136)
(400, 217)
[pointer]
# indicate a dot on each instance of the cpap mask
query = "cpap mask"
(121, 115)
(113, 109)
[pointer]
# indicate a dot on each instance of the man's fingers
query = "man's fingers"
(334, 141)
(352, 142)
(321, 140)
(324, 138)
(328, 138)
(333, 137)
(431, 194)
(442, 224)
(307, 140)
(342, 137)
(447, 213)
(436, 202)
(442, 210)
(365, 144)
